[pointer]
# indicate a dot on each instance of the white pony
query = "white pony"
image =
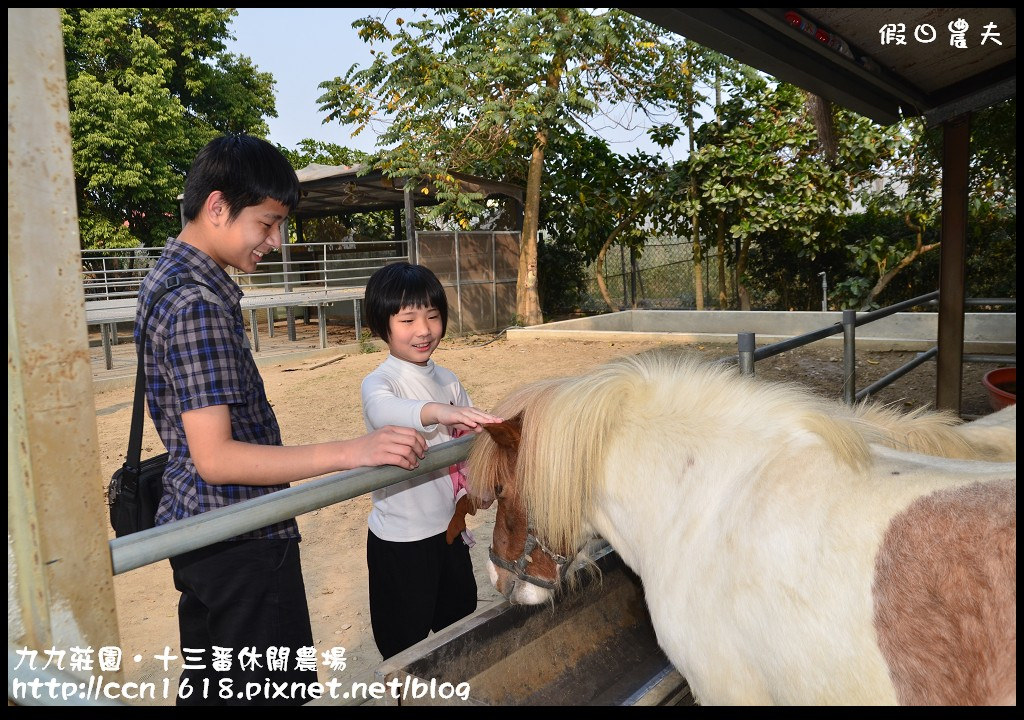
(792, 549)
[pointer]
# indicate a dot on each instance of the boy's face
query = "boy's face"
(245, 240)
(415, 333)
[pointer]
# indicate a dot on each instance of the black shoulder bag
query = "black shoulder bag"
(135, 490)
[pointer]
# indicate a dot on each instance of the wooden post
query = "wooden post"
(956, 137)
(60, 580)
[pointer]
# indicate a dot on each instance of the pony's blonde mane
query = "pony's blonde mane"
(568, 424)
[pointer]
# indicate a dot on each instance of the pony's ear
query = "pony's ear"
(506, 433)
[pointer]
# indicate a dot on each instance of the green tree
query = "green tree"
(911, 192)
(762, 173)
(469, 88)
(594, 198)
(148, 87)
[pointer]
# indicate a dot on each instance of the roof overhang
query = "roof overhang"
(880, 81)
(339, 190)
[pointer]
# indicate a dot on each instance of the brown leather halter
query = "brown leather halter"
(518, 568)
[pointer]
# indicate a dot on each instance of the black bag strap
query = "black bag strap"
(133, 458)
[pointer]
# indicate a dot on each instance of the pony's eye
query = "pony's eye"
(498, 490)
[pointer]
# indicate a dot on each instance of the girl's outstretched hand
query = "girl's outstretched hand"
(469, 419)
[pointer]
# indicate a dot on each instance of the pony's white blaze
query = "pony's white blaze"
(753, 514)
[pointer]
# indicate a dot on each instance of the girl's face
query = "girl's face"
(415, 333)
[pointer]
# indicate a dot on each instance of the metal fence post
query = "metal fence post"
(622, 268)
(458, 281)
(494, 282)
(745, 345)
(632, 276)
(849, 356)
(254, 326)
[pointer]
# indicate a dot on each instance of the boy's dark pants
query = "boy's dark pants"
(416, 587)
(242, 594)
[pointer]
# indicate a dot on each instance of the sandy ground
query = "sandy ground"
(317, 404)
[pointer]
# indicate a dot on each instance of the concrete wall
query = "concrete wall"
(983, 332)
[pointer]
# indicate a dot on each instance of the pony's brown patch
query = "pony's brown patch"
(945, 597)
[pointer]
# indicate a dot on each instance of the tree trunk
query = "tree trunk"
(698, 265)
(820, 111)
(698, 260)
(723, 290)
(599, 263)
(741, 267)
(599, 270)
(527, 298)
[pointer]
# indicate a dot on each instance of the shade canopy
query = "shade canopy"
(334, 190)
(880, 62)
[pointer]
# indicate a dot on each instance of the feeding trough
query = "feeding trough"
(1001, 385)
(597, 647)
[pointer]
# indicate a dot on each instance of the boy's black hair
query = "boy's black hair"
(246, 169)
(401, 285)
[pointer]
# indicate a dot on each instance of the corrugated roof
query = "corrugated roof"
(339, 189)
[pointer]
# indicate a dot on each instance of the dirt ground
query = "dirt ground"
(321, 403)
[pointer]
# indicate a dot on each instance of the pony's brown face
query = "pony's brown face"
(525, 575)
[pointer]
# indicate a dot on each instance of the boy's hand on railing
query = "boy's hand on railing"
(389, 445)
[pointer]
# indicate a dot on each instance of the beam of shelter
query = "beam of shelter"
(335, 190)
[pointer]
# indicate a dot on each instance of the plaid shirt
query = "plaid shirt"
(197, 355)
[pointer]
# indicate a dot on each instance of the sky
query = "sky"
(302, 47)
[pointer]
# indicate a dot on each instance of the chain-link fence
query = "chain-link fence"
(659, 277)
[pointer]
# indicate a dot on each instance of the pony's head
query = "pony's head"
(542, 486)
(523, 566)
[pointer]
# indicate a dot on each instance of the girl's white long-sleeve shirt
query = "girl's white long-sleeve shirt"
(394, 394)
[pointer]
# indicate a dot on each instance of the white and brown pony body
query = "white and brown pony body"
(792, 550)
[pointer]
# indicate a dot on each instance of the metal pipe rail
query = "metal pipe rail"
(149, 546)
(991, 301)
(792, 343)
(982, 358)
(111, 281)
(896, 374)
(748, 355)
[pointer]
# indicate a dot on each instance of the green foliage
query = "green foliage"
(562, 277)
(905, 213)
(366, 344)
(590, 193)
(763, 169)
(148, 87)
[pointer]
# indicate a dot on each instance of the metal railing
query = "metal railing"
(149, 546)
(747, 354)
(113, 274)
